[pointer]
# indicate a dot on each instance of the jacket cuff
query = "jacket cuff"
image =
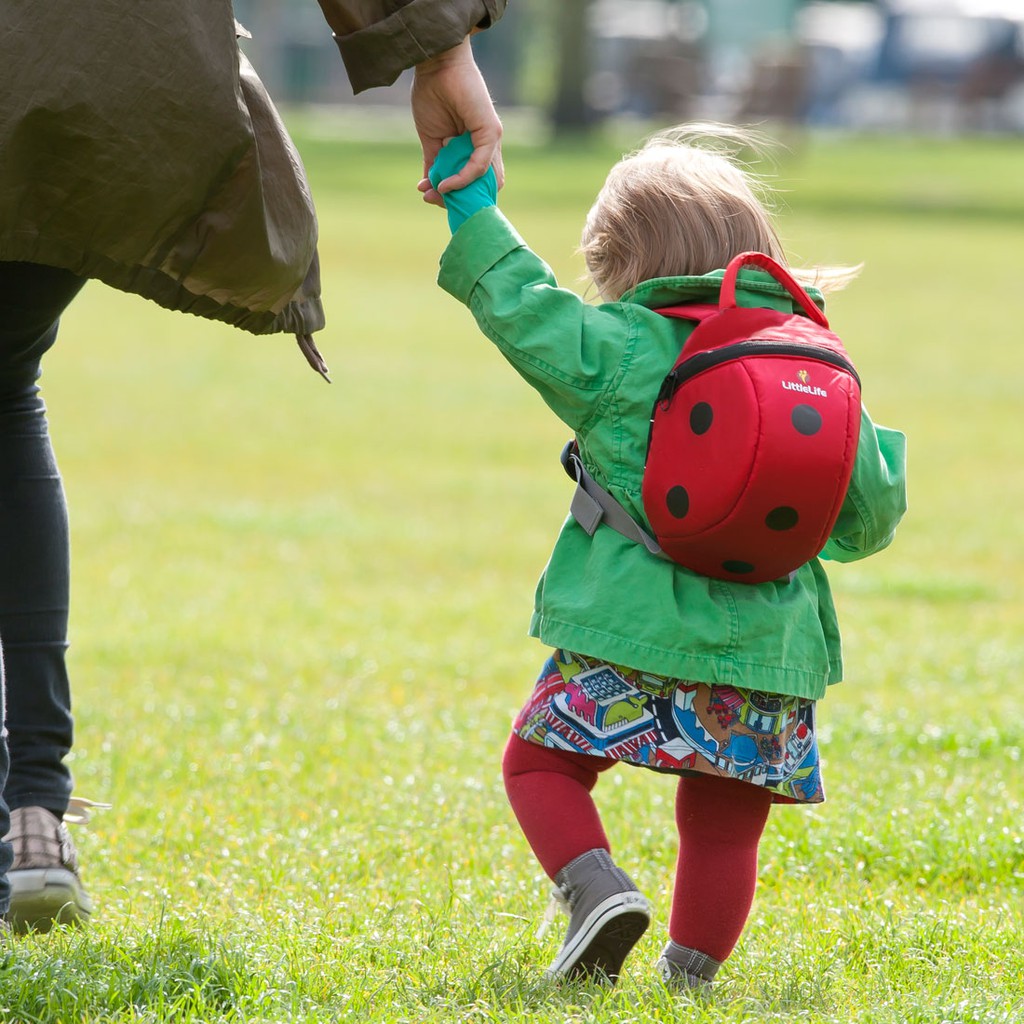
(378, 54)
(481, 242)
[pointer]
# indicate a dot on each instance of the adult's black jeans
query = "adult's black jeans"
(34, 553)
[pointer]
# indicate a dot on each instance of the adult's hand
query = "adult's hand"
(450, 97)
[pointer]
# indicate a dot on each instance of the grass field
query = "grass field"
(299, 620)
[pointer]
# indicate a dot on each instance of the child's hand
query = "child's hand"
(462, 203)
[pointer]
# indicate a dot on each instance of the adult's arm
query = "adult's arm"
(379, 39)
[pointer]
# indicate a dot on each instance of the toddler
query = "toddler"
(714, 682)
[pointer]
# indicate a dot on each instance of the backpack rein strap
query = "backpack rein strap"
(592, 505)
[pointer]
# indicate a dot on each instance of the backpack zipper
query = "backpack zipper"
(705, 360)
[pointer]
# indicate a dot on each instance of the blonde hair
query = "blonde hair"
(681, 205)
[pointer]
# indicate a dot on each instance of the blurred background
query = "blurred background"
(299, 611)
(926, 66)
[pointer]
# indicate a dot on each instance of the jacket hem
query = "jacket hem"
(301, 316)
(718, 669)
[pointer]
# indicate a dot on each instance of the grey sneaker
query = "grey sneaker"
(607, 916)
(45, 887)
(687, 970)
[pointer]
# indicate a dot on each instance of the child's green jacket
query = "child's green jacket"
(599, 368)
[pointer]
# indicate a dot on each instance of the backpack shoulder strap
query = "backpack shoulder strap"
(698, 311)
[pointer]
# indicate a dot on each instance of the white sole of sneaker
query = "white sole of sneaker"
(43, 897)
(600, 946)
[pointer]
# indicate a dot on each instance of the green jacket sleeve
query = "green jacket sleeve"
(877, 497)
(570, 351)
(379, 39)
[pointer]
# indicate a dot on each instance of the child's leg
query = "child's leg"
(550, 793)
(720, 822)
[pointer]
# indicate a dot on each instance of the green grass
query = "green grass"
(299, 619)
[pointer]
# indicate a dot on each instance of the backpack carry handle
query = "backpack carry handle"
(783, 276)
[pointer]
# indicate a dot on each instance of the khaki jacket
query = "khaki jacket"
(138, 147)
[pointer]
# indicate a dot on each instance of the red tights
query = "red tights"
(720, 822)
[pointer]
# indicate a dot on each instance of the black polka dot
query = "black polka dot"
(701, 416)
(678, 501)
(781, 518)
(738, 568)
(806, 419)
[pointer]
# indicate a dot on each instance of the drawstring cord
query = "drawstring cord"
(312, 354)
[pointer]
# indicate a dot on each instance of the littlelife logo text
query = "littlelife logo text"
(806, 389)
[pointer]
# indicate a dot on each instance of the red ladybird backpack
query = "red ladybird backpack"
(752, 441)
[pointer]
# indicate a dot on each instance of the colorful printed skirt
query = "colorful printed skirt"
(672, 725)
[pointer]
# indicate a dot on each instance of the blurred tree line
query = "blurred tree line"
(874, 63)
(578, 60)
